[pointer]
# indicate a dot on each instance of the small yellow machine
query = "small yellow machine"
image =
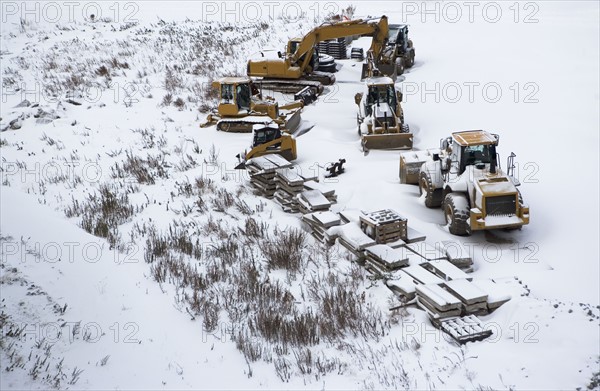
(463, 177)
(269, 139)
(241, 106)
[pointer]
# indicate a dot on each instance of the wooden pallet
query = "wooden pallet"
(463, 329)
(384, 226)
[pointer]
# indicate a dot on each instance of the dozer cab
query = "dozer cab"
(464, 178)
(380, 116)
(241, 106)
(269, 139)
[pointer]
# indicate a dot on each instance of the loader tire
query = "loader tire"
(410, 60)
(399, 66)
(457, 213)
(433, 197)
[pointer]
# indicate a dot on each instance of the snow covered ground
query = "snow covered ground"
(118, 101)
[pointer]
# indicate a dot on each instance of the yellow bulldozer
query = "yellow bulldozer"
(241, 106)
(296, 68)
(464, 178)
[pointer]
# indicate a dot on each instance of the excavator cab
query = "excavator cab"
(314, 59)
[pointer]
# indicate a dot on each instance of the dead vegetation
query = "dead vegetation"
(102, 212)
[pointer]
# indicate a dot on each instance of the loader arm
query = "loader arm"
(367, 27)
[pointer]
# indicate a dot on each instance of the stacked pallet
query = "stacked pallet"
(458, 254)
(385, 257)
(327, 191)
(463, 329)
(473, 299)
(352, 238)
(445, 270)
(289, 184)
(495, 295)
(312, 201)
(437, 301)
(262, 172)
(320, 222)
(384, 226)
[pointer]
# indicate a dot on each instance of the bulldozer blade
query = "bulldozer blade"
(388, 141)
(292, 123)
(210, 120)
(304, 127)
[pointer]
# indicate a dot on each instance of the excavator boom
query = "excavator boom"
(297, 62)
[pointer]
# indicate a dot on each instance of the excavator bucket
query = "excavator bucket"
(388, 141)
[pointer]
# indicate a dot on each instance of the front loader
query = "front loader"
(464, 178)
(380, 116)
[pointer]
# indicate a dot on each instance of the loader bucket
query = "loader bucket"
(388, 70)
(388, 141)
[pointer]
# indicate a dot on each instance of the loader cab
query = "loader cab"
(473, 148)
(265, 133)
(234, 96)
(380, 90)
(398, 37)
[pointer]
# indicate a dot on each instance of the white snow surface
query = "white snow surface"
(547, 72)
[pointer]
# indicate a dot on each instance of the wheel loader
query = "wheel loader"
(464, 178)
(403, 46)
(380, 117)
(241, 106)
(269, 139)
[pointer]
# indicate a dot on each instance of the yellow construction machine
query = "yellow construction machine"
(380, 117)
(295, 69)
(269, 139)
(464, 178)
(241, 106)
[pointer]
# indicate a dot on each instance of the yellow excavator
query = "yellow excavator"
(241, 106)
(380, 117)
(295, 69)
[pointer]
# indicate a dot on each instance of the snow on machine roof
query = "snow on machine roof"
(474, 137)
